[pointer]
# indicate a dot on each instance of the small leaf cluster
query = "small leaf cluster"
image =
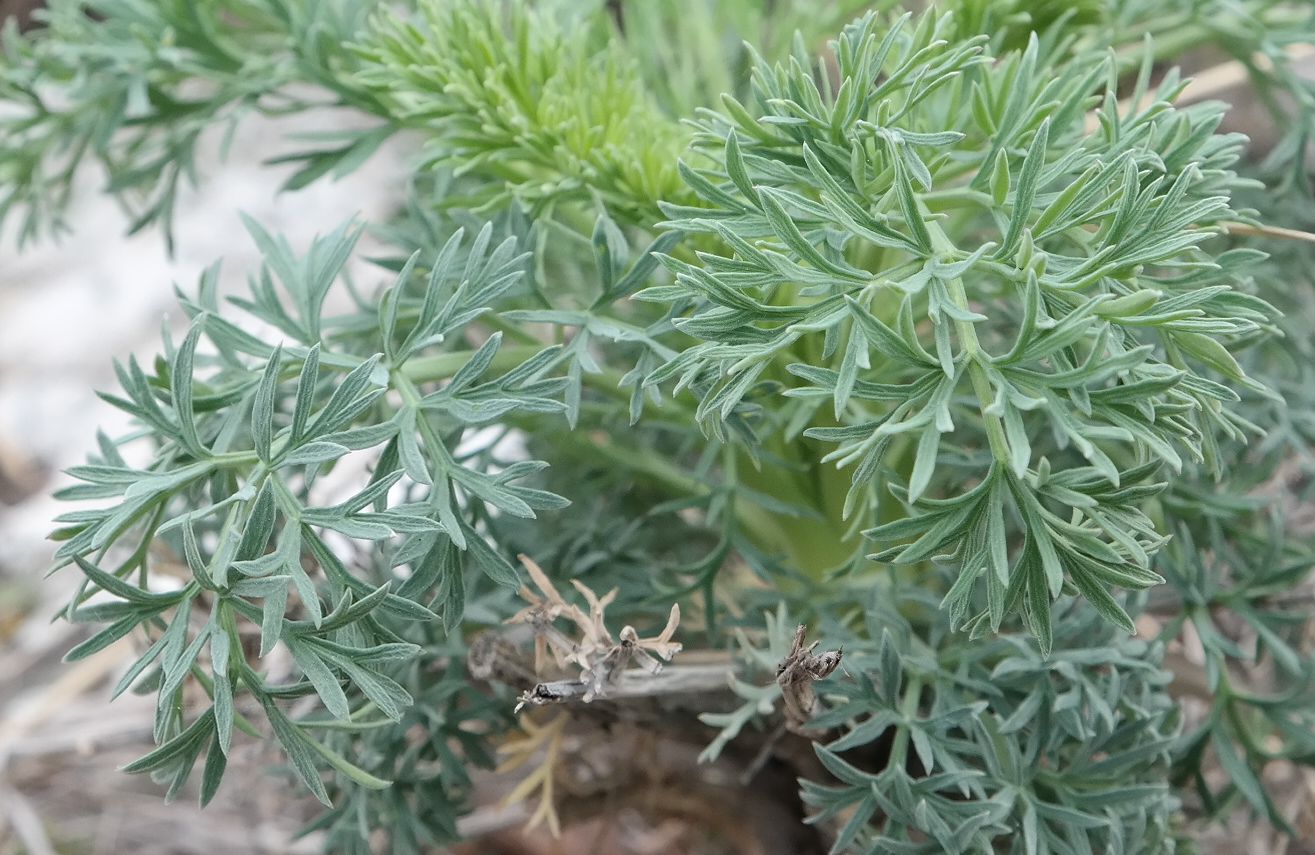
(245, 436)
(1077, 316)
(1238, 582)
(548, 113)
(947, 746)
(115, 81)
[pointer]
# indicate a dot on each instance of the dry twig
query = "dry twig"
(796, 675)
(602, 658)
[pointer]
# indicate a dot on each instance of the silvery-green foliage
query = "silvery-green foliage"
(1074, 321)
(929, 339)
(116, 81)
(994, 747)
(243, 434)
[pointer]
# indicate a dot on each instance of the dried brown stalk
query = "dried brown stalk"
(796, 675)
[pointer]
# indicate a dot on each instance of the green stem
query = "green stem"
(240, 721)
(972, 348)
(441, 366)
(524, 336)
(762, 525)
(908, 709)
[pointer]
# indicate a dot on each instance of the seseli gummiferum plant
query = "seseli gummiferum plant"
(949, 337)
